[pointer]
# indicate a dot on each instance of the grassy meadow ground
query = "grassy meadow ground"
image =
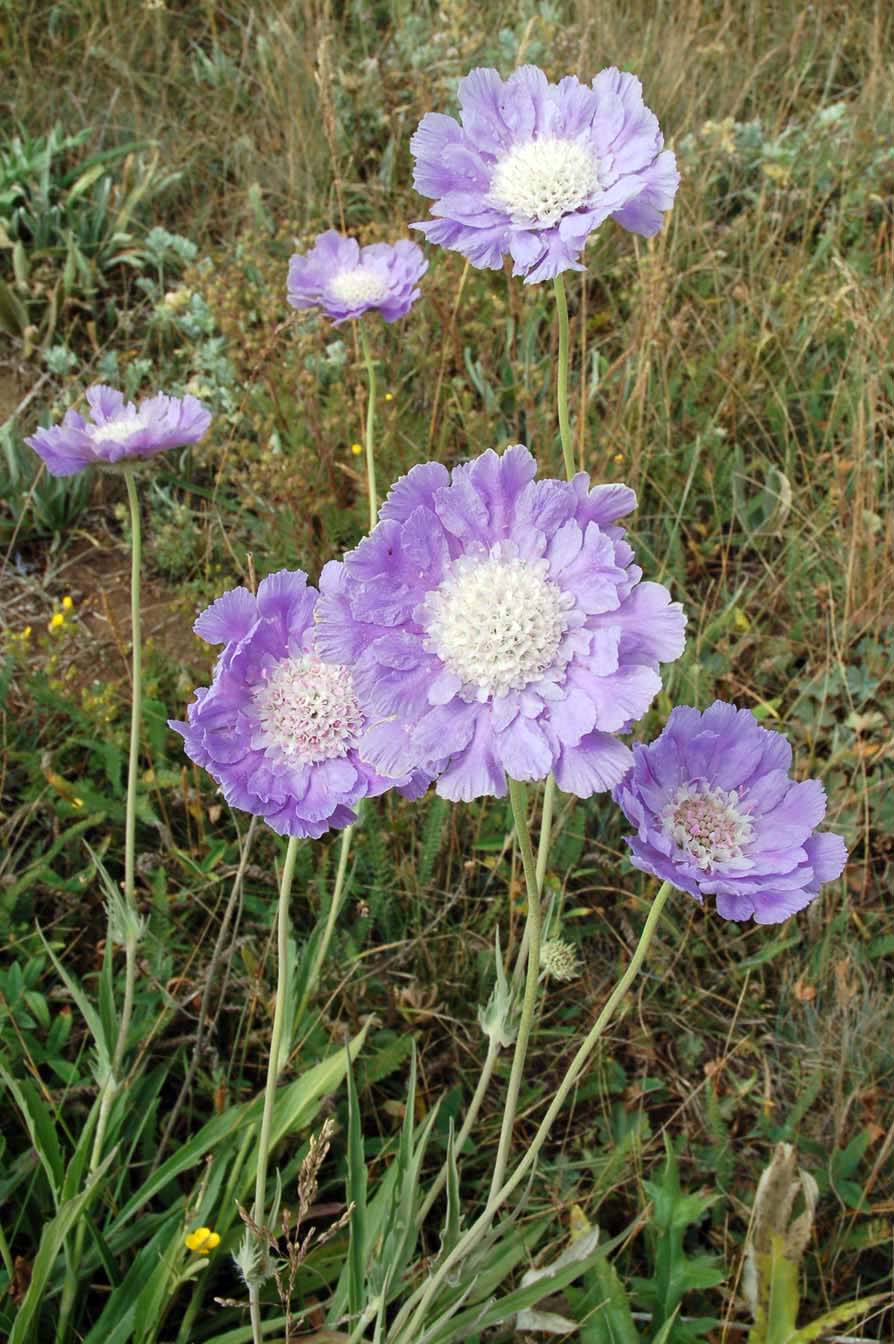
(737, 371)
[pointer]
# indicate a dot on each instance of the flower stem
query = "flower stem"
(370, 425)
(518, 796)
(562, 377)
(474, 1234)
(133, 764)
(546, 829)
(313, 974)
(493, 1050)
(279, 1012)
(111, 1082)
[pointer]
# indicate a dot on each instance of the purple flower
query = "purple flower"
(347, 280)
(532, 168)
(280, 731)
(717, 815)
(498, 626)
(118, 430)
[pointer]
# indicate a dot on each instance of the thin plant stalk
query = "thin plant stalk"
(493, 1051)
(110, 1083)
(130, 815)
(562, 378)
(335, 904)
(205, 1005)
(273, 1065)
(412, 1329)
(518, 796)
(370, 428)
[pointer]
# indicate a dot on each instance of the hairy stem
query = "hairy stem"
(335, 904)
(562, 377)
(412, 1330)
(279, 1013)
(518, 796)
(370, 426)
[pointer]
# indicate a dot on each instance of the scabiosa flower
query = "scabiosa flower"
(118, 430)
(498, 626)
(717, 815)
(278, 729)
(347, 280)
(532, 168)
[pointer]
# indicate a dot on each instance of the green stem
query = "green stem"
(519, 799)
(110, 1083)
(279, 1013)
(133, 765)
(370, 425)
(493, 1050)
(313, 974)
(562, 377)
(474, 1234)
(546, 828)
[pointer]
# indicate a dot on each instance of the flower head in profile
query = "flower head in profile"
(498, 626)
(347, 280)
(278, 729)
(117, 430)
(716, 814)
(532, 168)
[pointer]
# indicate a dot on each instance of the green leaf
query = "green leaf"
(51, 1243)
(41, 1129)
(603, 1307)
(838, 1316)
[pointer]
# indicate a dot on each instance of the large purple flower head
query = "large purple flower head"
(499, 626)
(717, 815)
(119, 430)
(532, 168)
(280, 731)
(347, 280)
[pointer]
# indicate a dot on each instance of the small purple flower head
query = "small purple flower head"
(280, 731)
(118, 430)
(498, 626)
(532, 168)
(717, 815)
(347, 280)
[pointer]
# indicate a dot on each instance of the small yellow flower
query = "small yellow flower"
(67, 603)
(619, 459)
(389, 396)
(202, 1240)
(356, 449)
(55, 621)
(26, 633)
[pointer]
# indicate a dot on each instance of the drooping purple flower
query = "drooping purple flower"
(498, 626)
(532, 168)
(279, 730)
(118, 430)
(717, 815)
(347, 280)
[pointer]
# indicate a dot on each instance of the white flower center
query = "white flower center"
(496, 623)
(542, 180)
(707, 823)
(307, 711)
(119, 427)
(359, 285)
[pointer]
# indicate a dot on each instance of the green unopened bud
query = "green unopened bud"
(498, 1018)
(559, 959)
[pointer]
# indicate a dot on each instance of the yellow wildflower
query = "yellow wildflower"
(202, 1240)
(56, 620)
(389, 396)
(356, 449)
(67, 603)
